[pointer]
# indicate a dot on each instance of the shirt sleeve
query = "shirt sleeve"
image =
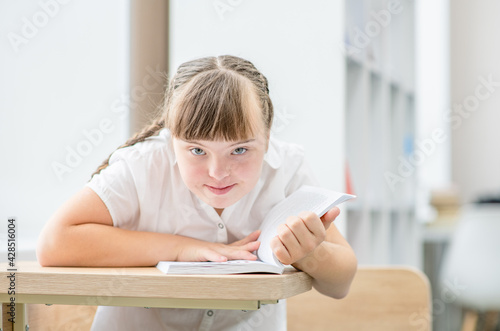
(116, 187)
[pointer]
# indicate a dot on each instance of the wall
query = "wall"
(432, 72)
(63, 83)
(475, 115)
(296, 45)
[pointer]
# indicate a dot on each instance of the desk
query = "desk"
(142, 287)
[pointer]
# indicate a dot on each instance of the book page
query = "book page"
(307, 198)
(218, 268)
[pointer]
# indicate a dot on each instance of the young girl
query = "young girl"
(195, 186)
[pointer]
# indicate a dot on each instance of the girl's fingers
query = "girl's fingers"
(244, 255)
(242, 252)
(299, 236)
(252, 246)
(330, 216)
(222, 253)
(251, 237)
(280, 251)
(309, 230)
(212, 256)
(218, 252)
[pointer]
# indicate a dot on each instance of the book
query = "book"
(307, 198)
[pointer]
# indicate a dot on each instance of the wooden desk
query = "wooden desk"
(142, 287)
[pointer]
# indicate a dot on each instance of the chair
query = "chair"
(471, 269)
(380, 298)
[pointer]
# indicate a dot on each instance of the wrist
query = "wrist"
(184, 248)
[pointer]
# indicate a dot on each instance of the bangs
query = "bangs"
(216, 105)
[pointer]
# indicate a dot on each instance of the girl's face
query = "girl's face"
(220, 172)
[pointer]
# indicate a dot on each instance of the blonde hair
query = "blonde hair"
(212, 98)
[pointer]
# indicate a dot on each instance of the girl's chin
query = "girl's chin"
(218, 205)
(221, 203)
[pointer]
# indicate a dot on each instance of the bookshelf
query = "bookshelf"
(380, 128)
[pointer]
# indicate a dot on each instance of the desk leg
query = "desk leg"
(470, 320)
(20, 314)
(6, 325)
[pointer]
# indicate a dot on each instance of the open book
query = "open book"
(307, 198)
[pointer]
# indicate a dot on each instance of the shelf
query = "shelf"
(380, 129)
(354, 58)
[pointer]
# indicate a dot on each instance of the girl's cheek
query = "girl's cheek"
(251, 168)
(196, 170)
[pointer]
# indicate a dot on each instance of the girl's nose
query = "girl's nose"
(218, 169)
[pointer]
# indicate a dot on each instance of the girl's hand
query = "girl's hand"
(300, 235)
(199, 251)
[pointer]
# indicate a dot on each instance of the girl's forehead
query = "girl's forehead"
(224, 143)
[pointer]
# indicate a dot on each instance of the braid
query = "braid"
(146, 132)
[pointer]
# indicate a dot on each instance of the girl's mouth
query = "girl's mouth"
(220, 190)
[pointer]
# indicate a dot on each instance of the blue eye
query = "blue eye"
(197, 151)
(239, 151)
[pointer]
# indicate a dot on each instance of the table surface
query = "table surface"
(149, 282)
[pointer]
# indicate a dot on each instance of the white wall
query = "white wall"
(295, 45)
(432, 32)
(475, 53)
(63, 73)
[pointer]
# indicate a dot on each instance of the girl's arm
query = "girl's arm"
(316, 246)
(81, 233)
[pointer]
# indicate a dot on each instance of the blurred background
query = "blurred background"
(393, 100)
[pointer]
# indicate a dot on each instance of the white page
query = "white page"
(217, 268)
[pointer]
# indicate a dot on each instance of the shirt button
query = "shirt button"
(210, 313)
(221, 226)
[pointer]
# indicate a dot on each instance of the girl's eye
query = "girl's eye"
(197, 151)
(239, 150)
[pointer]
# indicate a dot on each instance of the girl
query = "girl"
(194, 186)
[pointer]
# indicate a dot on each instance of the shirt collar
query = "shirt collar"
(272, 157)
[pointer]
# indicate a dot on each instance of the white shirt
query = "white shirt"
(143, 190)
